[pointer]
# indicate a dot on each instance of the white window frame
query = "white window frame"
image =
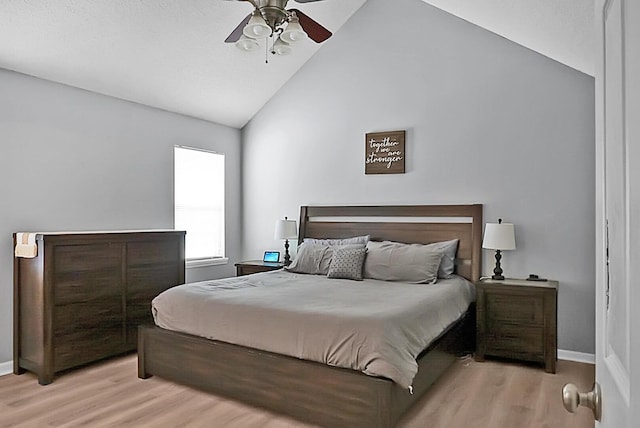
(212, 260)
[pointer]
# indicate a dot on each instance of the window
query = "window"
(199, 203)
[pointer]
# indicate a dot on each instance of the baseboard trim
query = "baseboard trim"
(580, 357)
(6, 368)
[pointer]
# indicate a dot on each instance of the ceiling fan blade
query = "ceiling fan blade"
(315, 31)
(306, 1)
(237, 33)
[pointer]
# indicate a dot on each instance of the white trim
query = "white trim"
(198, 149)
(580, 357)
(6, 368)
(619, 373)
(206, 262)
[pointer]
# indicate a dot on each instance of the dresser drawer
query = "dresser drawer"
(88, 345)
(87, 258)
(153, 252)
(516, 342)
(516, 309)
(87, 331)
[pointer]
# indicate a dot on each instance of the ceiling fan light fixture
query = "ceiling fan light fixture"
(256, 28)
(293, 32)
(246, 44)
(280, 47)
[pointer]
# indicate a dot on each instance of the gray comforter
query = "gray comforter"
(376, 327)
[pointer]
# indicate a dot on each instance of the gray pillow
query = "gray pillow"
(448, 262)
(315, 259)
(395, 261)
(345, 241)
(347, 263)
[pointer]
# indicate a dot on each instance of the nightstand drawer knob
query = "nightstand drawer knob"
(572, 399)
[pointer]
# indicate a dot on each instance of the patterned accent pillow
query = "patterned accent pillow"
(347, 263)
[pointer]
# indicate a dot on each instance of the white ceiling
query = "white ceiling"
(563, 30)
(170, 54)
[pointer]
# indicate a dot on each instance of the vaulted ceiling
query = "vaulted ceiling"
(170, 54)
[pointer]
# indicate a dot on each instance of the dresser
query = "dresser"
(517, 319)
(83, 296)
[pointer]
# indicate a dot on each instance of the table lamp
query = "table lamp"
(500, 237)
(286, 229)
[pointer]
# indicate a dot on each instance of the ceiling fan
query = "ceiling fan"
(270, 19)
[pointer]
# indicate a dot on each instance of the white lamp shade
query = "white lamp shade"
(499, 236)
(281, 48)
(257, 27)
(294, 32)
(246, 44)
(286, 229)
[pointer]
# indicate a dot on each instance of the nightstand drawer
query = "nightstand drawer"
(516, 342)
(525, 309)
(256, 266)
(248, 270)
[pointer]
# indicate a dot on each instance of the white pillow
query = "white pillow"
(315, 259)
(395, 261)
(448, 262)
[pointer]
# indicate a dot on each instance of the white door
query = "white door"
(618, 211)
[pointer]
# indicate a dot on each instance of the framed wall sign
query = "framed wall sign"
(384, 152)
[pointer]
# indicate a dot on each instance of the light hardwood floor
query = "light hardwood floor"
(109, 394)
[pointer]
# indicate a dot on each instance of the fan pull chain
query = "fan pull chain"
(266, 51)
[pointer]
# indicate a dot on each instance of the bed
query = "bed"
(308, 390)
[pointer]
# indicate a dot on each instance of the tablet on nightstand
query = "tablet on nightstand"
(271, 257)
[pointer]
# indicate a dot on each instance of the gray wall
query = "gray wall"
(75, 160)
(487, 121)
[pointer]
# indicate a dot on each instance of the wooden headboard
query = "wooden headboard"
(413, 224)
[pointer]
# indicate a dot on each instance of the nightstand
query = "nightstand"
(517, 319)
(255, 266)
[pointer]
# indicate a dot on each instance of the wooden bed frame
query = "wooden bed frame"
(311, 391)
